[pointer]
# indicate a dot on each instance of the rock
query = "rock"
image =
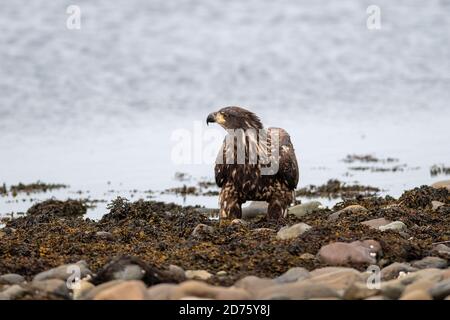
(338, 279)
(129, 272)
(202, 230)
(436, 205)
(358, 252)
(202, 290)
(307, 256)
(434, 275)
(446, 274)
(359, 291)
(256, 208)
(442, 250)
(161, 291)
(177, 272)
(11, 278)
(301, 290)
(197, 274)
(239, 222)
(54, 286)
(392, 289)
(442, 184)
(292, 275)
(90, 294)
(396, 226)
(350, 209)
(65, 271)
(304, 209)
(104, 235)
(416, 295)
(232, 293)
(377, 297)
(81, 289)
(393, 270)
(423, 285)
(430, 262)
(376, 223)
(441, 289)
(127, 290)
(132, 268)
(254, 284)
(13, 292)
(292, 232)
(221, 273)
(193, 289)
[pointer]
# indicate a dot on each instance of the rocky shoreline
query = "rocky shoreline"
(366, 247)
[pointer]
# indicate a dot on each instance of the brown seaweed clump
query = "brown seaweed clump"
(439, 169)
(422, 197)
(336, 189)
(35, 187)
(69, 208)
(350, 158)
(3, 190)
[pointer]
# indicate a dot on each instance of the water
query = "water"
(97, 105)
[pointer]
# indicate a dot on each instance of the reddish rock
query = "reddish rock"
(358, 252)
(376, 223)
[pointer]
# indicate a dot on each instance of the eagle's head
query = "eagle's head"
(235, 118)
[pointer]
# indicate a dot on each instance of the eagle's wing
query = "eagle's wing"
(220, 171)
(288, 166)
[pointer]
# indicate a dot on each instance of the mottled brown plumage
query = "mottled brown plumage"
(245, 180)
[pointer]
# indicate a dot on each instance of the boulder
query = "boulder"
(304, 209)
(197, 274)
(376, 223)
(338, 279)
(358, 252)
(55, 287)
(127, 290)
(13, 292)
(292, 232)
(300, 290)
(65, 271)
(441, 289)
(430, 262)
(393, 270)
(442, 184)
(11, 278)
(256, 208)
(293, 275)
(396, 226)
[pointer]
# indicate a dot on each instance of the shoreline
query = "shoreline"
(146, 243)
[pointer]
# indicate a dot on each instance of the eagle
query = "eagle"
(253, 163)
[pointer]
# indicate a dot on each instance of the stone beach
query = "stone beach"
(366, 247)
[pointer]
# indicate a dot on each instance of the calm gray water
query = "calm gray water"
(100, 104)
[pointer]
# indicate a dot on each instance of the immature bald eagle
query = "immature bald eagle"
(272, 180)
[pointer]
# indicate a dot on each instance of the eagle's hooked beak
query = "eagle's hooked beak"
(217, 117)
(211, 118)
